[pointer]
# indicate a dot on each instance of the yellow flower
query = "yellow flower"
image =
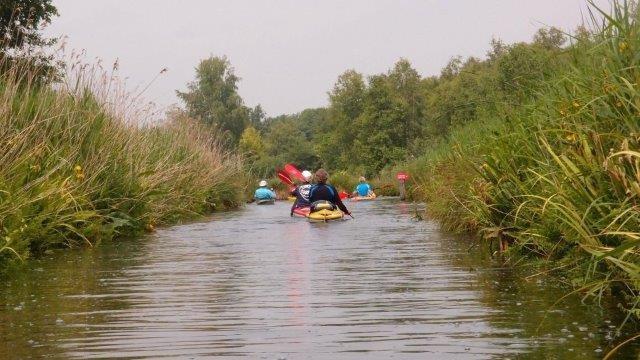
(571, 137)
(576, 104)
(80, 176)
(78, 168)
(623, 46)
(608, 88)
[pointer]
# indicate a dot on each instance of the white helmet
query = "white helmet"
(307, 175)
(263, 183)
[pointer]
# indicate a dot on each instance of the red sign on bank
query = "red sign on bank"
(402, 176)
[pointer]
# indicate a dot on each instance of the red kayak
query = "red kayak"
(302, 211)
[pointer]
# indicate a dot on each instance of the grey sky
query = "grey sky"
(290, 52)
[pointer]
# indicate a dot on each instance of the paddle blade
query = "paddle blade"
(293, 172)
(285, 178)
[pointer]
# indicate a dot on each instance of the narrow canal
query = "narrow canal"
(256, 283)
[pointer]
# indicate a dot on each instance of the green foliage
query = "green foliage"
(74, 173)
(256, 117)
(251, 145)
(21, 20)
(556, 176)
(373, 124)
(213, 99)
(21, 40)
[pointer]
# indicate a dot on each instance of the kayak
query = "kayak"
(291, 198)
(302, 211)
(324, 211)
(364, 198)
(265, 201)
(325, 215)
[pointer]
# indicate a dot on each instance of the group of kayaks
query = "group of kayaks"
(319, 211)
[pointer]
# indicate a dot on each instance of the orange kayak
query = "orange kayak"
(302, 211)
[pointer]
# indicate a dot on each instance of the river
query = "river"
(256, 283)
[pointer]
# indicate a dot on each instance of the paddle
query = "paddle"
(293, 172)
(284, 178)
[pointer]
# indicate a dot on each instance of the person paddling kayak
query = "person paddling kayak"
(363, 189)
(302, 192)
(324, 191)
(262, 193)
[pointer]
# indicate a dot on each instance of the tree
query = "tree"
(380, 141)
(251, 145)
(550, 39)
(347, 96)
(287, 142)
(20, 25)
(257, 116)
(405, 84)
(21, 20)
(213, 98)
(347, 103)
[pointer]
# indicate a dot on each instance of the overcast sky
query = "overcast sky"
(289, 53)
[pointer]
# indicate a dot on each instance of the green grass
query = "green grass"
(77, 169)
(558, 178)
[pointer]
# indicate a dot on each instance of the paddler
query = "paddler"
(363, 189)
(301, 192)
(323, 191)
(263, 193)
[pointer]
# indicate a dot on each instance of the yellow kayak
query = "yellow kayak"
(323, 212)
(325, 215)
(363, 198)
(291, 198)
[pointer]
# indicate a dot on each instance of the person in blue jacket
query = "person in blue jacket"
(263, 193)
(363, 189)
(323, 191)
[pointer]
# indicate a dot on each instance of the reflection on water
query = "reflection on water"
(259, 284)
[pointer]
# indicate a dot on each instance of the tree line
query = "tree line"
(373, 122)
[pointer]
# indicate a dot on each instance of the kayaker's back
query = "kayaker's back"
(262, 193)
(363, 189)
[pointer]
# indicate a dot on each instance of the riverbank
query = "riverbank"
(555, 178)
(78, 167)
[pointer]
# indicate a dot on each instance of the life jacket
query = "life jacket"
(315, 188)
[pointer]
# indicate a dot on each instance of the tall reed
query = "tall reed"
(558, 178)
(79, 164)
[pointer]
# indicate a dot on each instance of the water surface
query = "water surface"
(258, 284)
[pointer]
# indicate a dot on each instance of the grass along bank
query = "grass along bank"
(76, 171)
(556, 178)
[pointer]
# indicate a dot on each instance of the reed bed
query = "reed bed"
(79, 164)
(557, 179)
